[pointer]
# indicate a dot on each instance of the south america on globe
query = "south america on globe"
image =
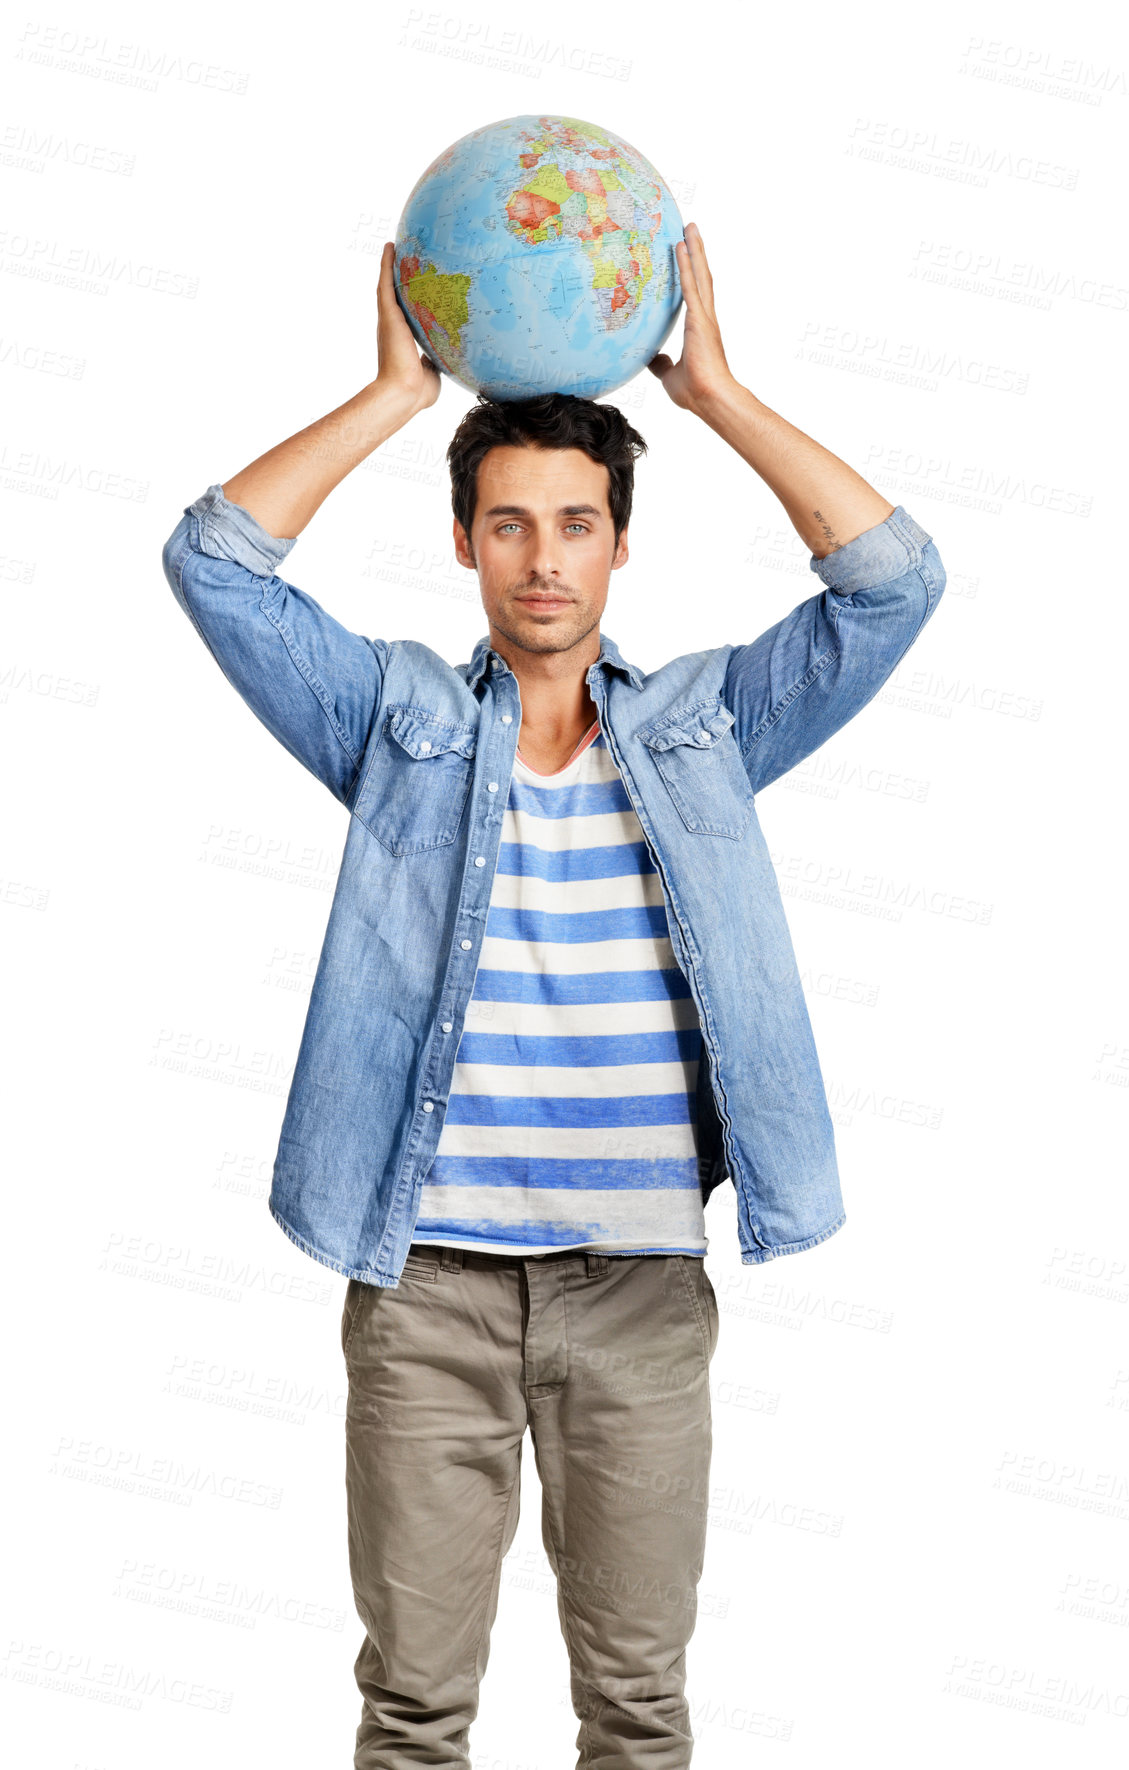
(536, 255)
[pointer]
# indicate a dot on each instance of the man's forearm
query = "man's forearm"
(828, 503)
(286, 486)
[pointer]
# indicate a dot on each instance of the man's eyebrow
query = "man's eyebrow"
(520, 510)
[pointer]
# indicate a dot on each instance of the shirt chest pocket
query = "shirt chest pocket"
(696, 754)
(415, 791)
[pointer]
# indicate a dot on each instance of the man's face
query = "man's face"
(541, 542)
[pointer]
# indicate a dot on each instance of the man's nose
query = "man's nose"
(543, 568)
(543, 558)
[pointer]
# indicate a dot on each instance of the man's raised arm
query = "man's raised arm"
(796, 684)
(314, 684)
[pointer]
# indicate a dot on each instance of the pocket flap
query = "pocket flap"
(423, 734)
(700, 725)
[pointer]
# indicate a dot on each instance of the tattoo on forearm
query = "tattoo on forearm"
(828, 532)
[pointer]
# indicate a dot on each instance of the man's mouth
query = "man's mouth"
(544, 602)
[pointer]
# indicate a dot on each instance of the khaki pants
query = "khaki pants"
(607, 1363)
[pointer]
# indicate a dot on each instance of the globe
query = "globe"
(536, 255)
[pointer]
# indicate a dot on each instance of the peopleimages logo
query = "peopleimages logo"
(100, 57)
(86, 268)
(1029, 284)
(469, 38)
(923, 366)
(1042, 71)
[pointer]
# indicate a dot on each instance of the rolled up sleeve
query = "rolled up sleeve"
(312, 682)
(798, 683)
(227, 531)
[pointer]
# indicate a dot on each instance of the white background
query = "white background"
(919, 1547)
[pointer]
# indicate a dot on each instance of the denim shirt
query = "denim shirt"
(420, 753)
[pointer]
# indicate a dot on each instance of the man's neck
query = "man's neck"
(557, 709)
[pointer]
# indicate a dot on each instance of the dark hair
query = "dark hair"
(550, 421)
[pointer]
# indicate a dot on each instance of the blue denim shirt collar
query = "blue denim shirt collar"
(609, 656)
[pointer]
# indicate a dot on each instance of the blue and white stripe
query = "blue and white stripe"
(571, 1117)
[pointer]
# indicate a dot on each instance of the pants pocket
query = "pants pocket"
(711, 1308)
(351, 1314)
(693, 1280)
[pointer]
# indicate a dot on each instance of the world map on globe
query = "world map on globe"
(536, 255)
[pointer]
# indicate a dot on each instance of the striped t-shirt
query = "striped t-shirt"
(571, 1118)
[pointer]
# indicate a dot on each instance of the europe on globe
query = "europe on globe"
(536, 255)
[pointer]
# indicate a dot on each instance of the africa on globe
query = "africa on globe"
(536, 255)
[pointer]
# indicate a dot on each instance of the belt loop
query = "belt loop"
(597, 1263)
(451, 1259)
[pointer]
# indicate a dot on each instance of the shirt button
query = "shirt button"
(704, 737)
(448, 1026)
(492, 787)
(507, 718)
(425, 743)
(465, 944)
(480, 860)
(428, 1107)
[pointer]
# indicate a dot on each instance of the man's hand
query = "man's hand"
(701, 372)
(413, 378)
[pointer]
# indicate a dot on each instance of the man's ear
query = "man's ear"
(620, 556)
(464, 552)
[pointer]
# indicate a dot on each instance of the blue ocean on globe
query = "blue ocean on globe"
(536, 255)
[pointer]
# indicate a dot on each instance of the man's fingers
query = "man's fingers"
(690, 291)
(385, 288)
(659, 365)
(700, 270)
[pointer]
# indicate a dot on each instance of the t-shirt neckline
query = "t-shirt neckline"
(589, 737)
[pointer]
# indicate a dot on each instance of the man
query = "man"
(556, 1006)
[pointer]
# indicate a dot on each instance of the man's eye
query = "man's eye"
(582, 526)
